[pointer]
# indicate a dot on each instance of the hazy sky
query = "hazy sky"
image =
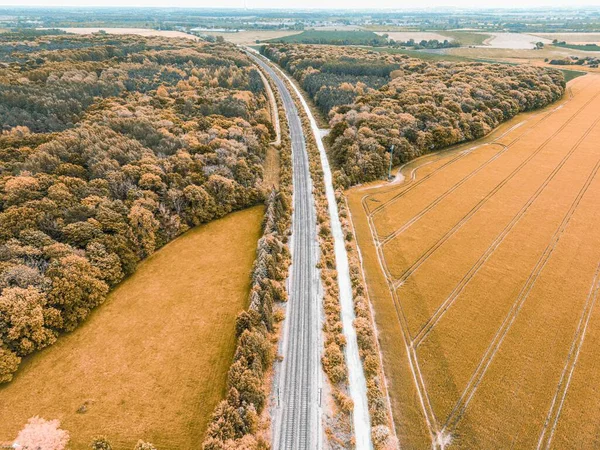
(303, 4)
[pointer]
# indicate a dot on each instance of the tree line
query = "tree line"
(236, 421)
(375, 100)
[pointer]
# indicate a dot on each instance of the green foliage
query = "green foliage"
(582, 47)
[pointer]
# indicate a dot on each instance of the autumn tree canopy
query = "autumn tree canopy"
(376, 100)
(109, 148)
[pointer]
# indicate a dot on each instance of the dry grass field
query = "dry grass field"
(150, 363)
(483, 267)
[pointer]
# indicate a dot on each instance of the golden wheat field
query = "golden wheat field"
(151, 362)
(483, 267)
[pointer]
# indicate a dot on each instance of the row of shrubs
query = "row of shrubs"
(379, 409)
(236, 422)
(338, 424)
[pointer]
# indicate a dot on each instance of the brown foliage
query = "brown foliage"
(376, 100)
(107, 153)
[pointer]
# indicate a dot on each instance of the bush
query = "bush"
(9, 363)
(101, 443)
(141, 445)
(42, 434)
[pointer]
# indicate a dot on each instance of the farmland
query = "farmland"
(249, 37)
(151, 363)
(483, 268)
(333, 38)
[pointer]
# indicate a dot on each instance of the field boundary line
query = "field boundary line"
(475, 380)
(430, 420)
(424, 400)
(425, 256)
(570, 364)
(372, 320)
(443, 308)
(435, 202)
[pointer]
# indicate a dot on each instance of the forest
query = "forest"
(375, 101)
(110, 147)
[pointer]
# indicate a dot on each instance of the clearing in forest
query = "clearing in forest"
(151, 362)
(483, 267)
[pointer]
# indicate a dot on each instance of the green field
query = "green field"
(430, 56)
(571, 74)
(333, 38)
(582, 47)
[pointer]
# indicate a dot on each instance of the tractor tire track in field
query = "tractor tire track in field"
(425, 256)
(443, 308)
(433, 204)
(419, 382)
(475, 380)
(461, 155)
(437, 435)
(564, 383)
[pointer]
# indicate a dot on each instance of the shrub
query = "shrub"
(42, 434)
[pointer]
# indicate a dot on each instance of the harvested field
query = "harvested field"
(137, 31)
(151, 362)
(514, 40)
(484, 277)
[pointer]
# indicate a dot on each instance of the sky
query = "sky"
(306, 4)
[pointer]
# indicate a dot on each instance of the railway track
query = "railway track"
(296, 423)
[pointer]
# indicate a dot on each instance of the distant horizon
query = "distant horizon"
(307, 5)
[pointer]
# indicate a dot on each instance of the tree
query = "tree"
(144, 227)
(100, 443)
(9, 363)
(42, 434)
(141, 445)
(23, 326)
(76, 289)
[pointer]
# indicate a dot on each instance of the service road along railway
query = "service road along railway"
(296, 418)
